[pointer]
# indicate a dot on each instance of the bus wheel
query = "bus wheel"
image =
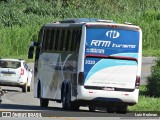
(44, 102)
(68, 100)
(64, 104)
(111, 109)
(122, 109)
(63, 99)
(92, 108)
(75, 106)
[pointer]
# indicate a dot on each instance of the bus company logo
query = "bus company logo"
(112, 34)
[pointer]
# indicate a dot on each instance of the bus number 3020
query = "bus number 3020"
(90, 62)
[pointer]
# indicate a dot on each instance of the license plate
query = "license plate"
(108, 89)
(7, 74)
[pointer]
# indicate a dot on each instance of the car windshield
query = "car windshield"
(9, 64)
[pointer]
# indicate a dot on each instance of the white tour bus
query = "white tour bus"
(88, 62)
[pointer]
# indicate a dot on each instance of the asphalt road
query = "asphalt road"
(147, 63)
(15, 100)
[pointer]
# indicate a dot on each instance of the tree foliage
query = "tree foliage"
(25, 17)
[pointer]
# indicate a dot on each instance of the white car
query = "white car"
(15, 72)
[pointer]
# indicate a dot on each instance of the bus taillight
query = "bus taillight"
(112, 26)
(137, 84)
(81, 78)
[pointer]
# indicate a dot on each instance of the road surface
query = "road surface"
(147, 63)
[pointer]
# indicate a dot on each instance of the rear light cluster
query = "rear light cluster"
(137, 84)
(22, 71)
(112, 26)
(81, 78)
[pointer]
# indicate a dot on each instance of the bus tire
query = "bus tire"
(122, 109)
(92, 108)
(75, 106)
(29, 88)
(44, 102)
(63, 98)
(111, 109)
(68, 99)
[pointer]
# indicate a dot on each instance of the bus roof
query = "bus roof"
(78, 20)
(91, 22)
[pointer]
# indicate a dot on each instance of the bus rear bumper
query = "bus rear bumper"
(107, 97)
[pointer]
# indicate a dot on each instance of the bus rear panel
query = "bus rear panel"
(112, 65)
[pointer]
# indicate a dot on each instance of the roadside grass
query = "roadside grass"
(151, 52)
(146, 103)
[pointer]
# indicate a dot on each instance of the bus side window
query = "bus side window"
(49, 39)
(75, 40)
(52, 39)
(57, 40)
(62, 40)
(44, 40)
(78, 39)
(67, 40)
(72, 41)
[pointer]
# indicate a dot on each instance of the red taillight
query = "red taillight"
(81, 78)
(22, 71)
(112, 26)
(137, 84)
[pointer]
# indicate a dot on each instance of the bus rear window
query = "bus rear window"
(111, 41)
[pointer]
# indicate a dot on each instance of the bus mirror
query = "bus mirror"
(30, 52)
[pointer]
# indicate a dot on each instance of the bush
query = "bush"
(28, 15)
(153, 86)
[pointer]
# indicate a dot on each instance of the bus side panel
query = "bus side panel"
(54, 68)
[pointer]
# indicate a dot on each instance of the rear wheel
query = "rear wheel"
(24, 88)
(75, 106)
(64, 103)
(67, 104)
(44, 102)
(68, 100)
(91, 108)
(122, 109)
(111, 109)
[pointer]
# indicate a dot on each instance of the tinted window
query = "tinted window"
(67, 40)
(110, 42)
(10, 64)
(52, 39)
(57, 40)
(62, 40)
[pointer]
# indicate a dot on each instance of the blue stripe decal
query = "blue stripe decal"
(134, 55)
(106, 63)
